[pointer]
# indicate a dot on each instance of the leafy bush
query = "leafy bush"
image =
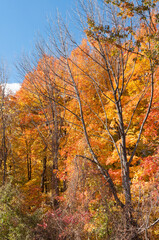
(62, 224)
(14, 223)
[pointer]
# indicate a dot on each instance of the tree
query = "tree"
(4, 117)
(46, 118)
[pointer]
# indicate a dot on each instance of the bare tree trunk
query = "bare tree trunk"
(55, 148)
(4, 147)
(28, 158)
(4, 155)
(43, 175)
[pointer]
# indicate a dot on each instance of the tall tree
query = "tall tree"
(41, 85)
(4, 112)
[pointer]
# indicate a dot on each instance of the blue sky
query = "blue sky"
(20, 23)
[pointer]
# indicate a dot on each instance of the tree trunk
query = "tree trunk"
(4, 150)
(43, 175)
(29, 167)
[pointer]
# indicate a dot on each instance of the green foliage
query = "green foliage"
(14, 224)
(100, 223)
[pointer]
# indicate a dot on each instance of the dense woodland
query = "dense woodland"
(79, 141)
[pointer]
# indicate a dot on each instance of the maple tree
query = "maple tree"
(44, 119)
